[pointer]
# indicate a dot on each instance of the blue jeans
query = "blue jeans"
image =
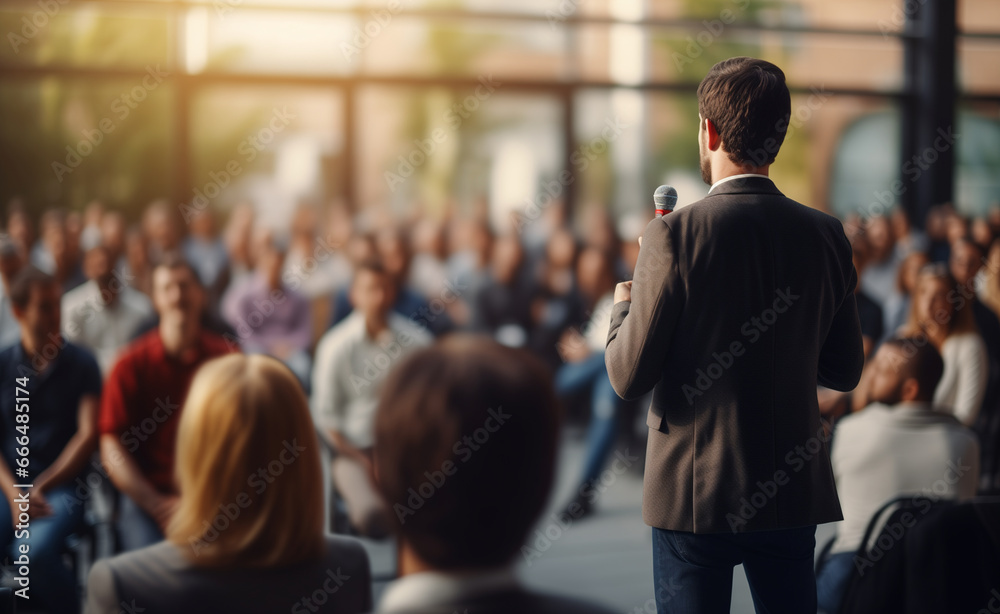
(832, 581)
(574, 377)
(694, 573)
(52, 582)
(136, 528)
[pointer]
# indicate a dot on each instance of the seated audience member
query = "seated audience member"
(204, 249)
(268, 316)
(897, 307)
(239, 545)
(869, 311)
(161, 229)
(584, 369)
(896, 446)
(55, 254)
(457, 551)
(59, 383)
(103, 314)
(352, 360)
(501, 306)
(392, 249)
(11, 262)
(950, 326)
(558, 305)
(136, 265)
(882, 267)
(966, 262)
(143, 396)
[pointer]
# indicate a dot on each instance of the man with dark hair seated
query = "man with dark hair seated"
(49, 396)
(465, 446)
(896, 446)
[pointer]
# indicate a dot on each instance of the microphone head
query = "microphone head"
(664, 199)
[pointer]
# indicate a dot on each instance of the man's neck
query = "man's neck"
(37, 347)
(178, 338)
(723, 167)
(376, 323)
(409, 562)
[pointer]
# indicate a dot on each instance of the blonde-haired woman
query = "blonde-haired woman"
(248, 532)
(942, 311)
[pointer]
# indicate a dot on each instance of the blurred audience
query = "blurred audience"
(239, 545)
(343, 297)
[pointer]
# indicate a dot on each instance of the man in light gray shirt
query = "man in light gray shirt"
(352, 360)
(897, 446)
(104, 314)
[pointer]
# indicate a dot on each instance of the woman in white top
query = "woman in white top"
(940, 311)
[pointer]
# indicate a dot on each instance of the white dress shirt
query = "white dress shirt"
(350, 367)
(434, 588)
(731, 177)
(101, 328)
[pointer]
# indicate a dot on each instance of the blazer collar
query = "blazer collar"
(746, 185)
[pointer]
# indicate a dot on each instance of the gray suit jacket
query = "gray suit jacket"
(159, 580)
(741, 304)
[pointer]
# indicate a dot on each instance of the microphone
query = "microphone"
(664, 199)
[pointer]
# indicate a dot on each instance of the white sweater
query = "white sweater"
(963, 383)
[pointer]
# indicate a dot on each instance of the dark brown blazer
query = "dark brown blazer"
(741, 304)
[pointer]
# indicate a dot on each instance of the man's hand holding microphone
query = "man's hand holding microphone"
(664, 201)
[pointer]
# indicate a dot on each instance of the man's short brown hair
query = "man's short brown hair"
(748, 102)
(465, 444)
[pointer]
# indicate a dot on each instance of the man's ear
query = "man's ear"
(714, 140)
(910, 390)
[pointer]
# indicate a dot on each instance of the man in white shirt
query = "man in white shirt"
(103, 314)
(352, 360)
(897, 446)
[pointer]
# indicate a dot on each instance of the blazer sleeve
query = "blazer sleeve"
(641, 331)
(842, 357)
